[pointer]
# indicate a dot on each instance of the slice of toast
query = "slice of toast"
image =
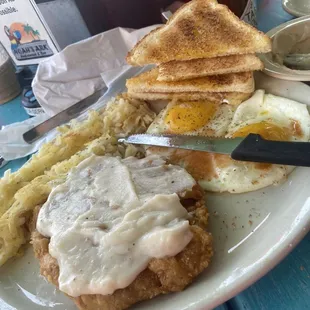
(232, 98)
(199, 29)
(189, 69)
(235, 82)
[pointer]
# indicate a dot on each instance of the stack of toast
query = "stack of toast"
(204, 52)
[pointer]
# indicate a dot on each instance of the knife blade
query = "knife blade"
(3, 162)
(197, 143)
(62, 117)
(251, 148)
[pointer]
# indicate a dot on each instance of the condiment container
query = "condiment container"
(289, 40)
(9, 86)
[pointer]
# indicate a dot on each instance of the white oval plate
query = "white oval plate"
(297, 8)
(279, 71)
(252, 233)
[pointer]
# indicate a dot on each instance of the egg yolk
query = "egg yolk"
(190, 116)
(267, 130)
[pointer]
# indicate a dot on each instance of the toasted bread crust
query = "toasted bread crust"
(199, 29)
(233, 98)
(171, 274)
(182, 70)
(235, 82)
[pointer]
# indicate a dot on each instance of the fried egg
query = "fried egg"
(272, 117)
(193, 118)
(219, 173)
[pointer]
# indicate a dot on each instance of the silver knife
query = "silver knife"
(62, 117)
(197, 143)
(3, 162)
(118, 86)
(251, 148)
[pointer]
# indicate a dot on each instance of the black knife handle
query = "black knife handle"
(256, 149)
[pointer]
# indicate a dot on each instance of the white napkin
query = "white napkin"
(70, 76)
(84, 67)
(12, 144)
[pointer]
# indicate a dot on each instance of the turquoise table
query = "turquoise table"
(11, 112)
(287, 286)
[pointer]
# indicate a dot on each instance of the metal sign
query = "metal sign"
(24, 33)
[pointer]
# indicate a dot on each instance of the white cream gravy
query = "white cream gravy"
(111, 217)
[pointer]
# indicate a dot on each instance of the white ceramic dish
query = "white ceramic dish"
(297, 8)
(279, 71)
(252, 233)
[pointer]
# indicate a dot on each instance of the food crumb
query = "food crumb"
(302, 268)
(250, 223)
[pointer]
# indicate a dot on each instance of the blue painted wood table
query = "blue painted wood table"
(287, 286)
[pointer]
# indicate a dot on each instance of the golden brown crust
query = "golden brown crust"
(162, 276)
(199, 29)
(235, 82)
(189, 69)
(233, 98)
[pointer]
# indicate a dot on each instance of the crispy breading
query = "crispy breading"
(162, 276)
(199, 29)
(189, 69)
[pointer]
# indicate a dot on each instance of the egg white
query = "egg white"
(222, 173)
(241, 177)
(273, 109)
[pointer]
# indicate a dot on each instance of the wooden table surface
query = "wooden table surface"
(287, 286)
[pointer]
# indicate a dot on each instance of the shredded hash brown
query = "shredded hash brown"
(21, 191)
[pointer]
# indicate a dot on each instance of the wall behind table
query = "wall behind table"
(65, 20)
